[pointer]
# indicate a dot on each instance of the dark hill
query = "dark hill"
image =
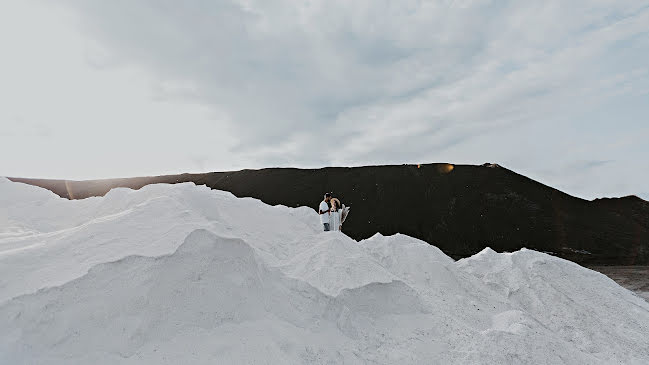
(459, 208)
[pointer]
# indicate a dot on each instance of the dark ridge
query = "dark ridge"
(459, 208)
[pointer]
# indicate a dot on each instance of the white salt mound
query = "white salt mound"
(175, 274)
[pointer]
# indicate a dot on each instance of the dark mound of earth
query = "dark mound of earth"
(459, 208)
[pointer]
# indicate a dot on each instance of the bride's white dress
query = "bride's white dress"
(334, 220)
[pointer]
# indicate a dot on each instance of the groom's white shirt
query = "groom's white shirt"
(324, 218)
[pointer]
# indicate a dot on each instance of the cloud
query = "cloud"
(594, 164)
(311, 83)
(283, 69)
(19, 127)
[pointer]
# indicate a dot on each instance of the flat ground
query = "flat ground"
(634, 278)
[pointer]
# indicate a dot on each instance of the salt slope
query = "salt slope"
(177, 274)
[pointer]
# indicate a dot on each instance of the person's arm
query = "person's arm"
(322, 211)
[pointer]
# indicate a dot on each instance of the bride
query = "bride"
(335, 216)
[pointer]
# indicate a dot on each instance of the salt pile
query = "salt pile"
(182, 274)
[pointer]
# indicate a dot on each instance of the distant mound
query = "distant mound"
(459, 208)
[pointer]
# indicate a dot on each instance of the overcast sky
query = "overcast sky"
(556, 90)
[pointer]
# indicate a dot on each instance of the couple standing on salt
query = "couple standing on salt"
(332, 218)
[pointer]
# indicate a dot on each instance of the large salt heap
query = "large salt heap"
(182, 274)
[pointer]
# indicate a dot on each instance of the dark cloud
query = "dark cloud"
(594, 164)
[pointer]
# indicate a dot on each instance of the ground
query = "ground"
(634, 278)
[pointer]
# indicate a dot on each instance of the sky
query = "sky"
(554, 90)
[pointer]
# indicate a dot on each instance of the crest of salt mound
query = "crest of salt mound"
(177, 274)
(61, 239)
(571, 302)
(334, 263)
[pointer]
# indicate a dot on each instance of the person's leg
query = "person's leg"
(326, 227)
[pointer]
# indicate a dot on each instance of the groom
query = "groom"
(324, 211)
